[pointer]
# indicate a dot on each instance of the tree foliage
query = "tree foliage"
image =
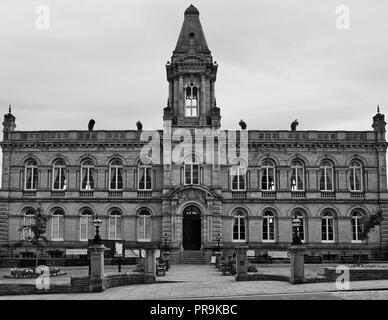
(369, 223)
(38, 228)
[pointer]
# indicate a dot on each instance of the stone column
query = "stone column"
(202, 116)
(181, 98)
(96, 252)
(149, 265)
(241, 263)
(297, 264)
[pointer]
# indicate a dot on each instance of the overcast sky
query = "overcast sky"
(278, 60)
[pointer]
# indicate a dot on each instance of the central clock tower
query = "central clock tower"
(191, 75)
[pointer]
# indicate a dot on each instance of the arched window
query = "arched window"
(31, 175)
(355, 177)
(239, 226)
(326, 174)
(86, 225)
(115, 225)
(328, 227)
(59, 175)
(191, 98)
(144, 175)
(357, 226)
(28, 221)
(87, 175)
(268, 226)
(192, 171)
(116, 175)
(300, 216)
(144, 226)
(297, 176)
(57, 225)
(238, 177)
(268, 176)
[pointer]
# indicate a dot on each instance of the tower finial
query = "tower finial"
(9, 108)
(378, 108)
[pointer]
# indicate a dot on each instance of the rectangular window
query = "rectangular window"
(191, 174)
(57, 227)
(144, 175)
(238, 179)
(87, 178)
(239, 228)
(31, 178)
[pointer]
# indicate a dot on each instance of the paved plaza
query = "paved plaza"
(205, 282)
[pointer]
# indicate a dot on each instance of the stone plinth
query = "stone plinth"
(297, 264)
(149, 265)
(241, 263)
(96, 252)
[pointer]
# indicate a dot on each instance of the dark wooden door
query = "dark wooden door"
(192, 232)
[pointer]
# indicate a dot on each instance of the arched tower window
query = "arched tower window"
(116, 175)
(31, 175)
(191, 100)
(59, 175)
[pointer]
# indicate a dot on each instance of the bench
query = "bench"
(161, 269)
(228, 267)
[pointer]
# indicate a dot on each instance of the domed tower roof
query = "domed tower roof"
(191, 10)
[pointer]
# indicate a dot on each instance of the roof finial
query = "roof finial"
(9, 108)
(378, 108)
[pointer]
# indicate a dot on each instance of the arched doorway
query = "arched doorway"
(191, 228)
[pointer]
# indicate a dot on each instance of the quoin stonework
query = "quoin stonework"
(191, 185)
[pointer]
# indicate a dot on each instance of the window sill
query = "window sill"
(268, 241)
(144, 240)
(240, 241)
(328, 241)
(356, 241)
(57, 239)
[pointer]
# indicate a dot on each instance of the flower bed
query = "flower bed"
(33, 272)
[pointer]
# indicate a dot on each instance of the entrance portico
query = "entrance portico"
(191, 219)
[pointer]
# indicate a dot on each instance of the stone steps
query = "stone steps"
(192, 257)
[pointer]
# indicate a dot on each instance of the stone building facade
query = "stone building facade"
(229, 189)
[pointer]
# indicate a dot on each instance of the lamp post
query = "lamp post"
(97, 239)
(165, 238)
(296, 224)
(218, 241)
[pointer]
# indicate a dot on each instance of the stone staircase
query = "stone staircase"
(192, 257)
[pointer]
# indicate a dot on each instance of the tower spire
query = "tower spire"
(191, 38)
